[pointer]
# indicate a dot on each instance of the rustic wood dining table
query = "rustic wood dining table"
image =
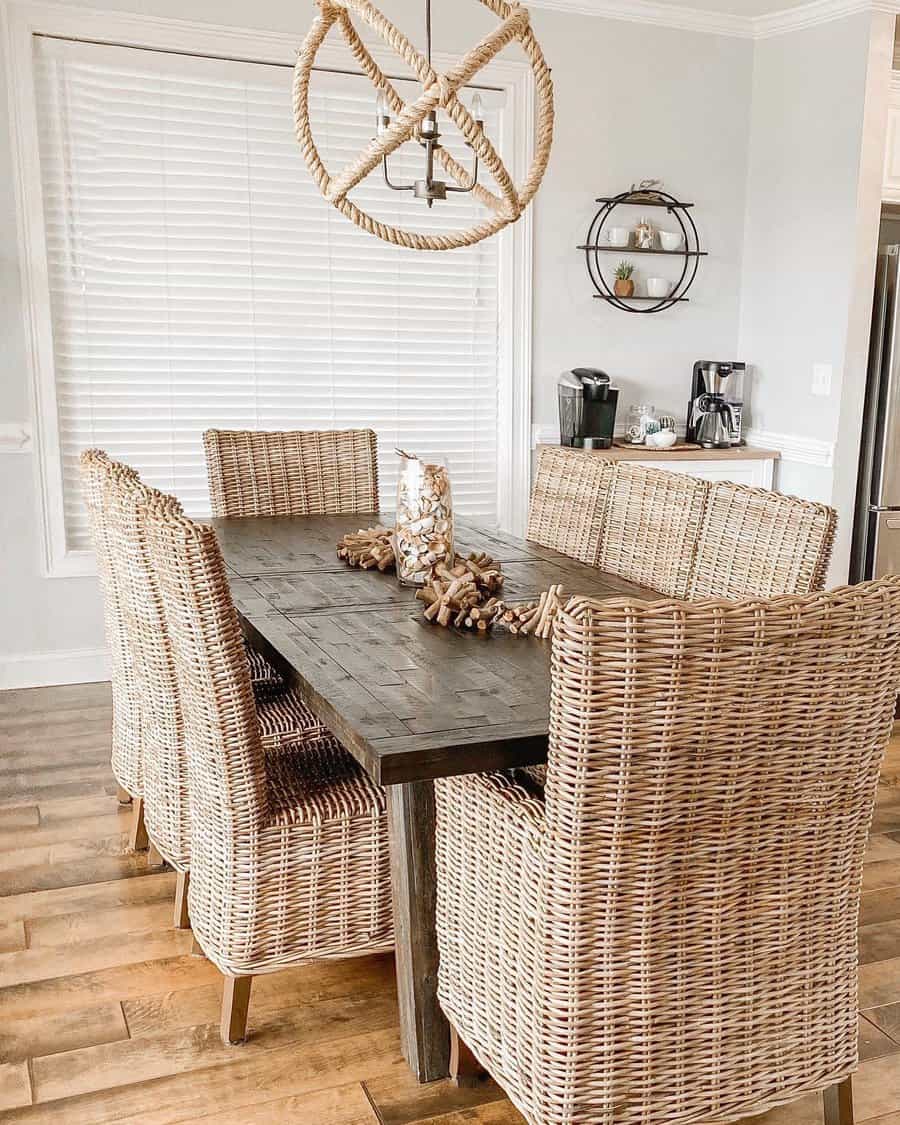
(410, 700)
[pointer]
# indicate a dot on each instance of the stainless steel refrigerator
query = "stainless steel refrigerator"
(876, 529)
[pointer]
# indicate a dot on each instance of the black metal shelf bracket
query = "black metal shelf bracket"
(690, 254)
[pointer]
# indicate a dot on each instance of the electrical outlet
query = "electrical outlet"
(821, 380)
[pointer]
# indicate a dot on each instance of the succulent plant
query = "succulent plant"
(624, 270)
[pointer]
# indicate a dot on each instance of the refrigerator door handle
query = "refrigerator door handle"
(886, 555)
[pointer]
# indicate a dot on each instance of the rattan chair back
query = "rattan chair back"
(289, 855)
(651, 526)
(568, 501)
(225, 753)
(96, 470)
(291, 473)
(711, 780)
(166, 804)
(754, 542)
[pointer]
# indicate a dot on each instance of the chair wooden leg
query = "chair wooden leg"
(465, 1069)
(124, 797)
(182, 918)
(235, 1004)
(196, 948)
(839, 1103)
(139, 838)
(154, 856)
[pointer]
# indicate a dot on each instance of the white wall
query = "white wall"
(811, 234)
(632, 101)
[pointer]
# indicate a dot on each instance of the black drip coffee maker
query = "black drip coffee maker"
(587, 408)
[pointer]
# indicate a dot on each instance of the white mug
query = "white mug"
(619, 236)
(658, 287)
(671, 240)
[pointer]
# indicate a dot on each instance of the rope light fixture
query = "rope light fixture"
(398, 122)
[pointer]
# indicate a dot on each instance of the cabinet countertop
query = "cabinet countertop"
(677, 453)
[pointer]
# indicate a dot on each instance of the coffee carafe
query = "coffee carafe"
(725, 380)
(713, 428)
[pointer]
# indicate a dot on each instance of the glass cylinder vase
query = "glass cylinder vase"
(424, 531)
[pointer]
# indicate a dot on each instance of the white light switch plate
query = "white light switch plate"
(821, 380)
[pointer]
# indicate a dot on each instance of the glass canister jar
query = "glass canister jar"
(424, 531)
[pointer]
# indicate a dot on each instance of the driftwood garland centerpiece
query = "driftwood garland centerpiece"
(417, 120)
(465, 595)
(369, 547)
(535, 618)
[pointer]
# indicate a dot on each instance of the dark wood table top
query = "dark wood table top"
(411, 700)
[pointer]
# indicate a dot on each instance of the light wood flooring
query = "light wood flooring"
(105, 1016)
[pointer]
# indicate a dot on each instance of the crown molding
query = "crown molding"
(685, 18)
(682, 18)
(814, 13)
(281, 47)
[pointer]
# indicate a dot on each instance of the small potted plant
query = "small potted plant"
(624, 286)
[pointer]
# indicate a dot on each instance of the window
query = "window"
(197, 278)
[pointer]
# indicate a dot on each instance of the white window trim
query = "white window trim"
(23, 20)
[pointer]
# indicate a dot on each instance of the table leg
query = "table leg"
(424, 1031)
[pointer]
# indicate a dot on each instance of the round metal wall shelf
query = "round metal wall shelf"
(594, 248)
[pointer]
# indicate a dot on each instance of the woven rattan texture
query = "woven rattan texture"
(292, 473)
(264, 676)
(166, 809)
(568, 502)
(651, 526)
(680, 535)
(272, 883)
(756, 542)
(96, 469)
(670, 935)
(283, 717)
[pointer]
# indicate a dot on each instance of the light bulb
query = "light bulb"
(477, 108)
(381, 115)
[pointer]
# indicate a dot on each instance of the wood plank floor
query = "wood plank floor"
(105, 1016)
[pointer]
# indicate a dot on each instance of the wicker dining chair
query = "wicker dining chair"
(668, 933)
(571, 489)
(291, 473)
(285, 721)
(651, 526)
(757, 543)
(95, 469)
(289, 850)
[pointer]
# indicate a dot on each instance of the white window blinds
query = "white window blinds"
(198, 278)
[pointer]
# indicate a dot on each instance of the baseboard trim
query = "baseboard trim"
(46, 669)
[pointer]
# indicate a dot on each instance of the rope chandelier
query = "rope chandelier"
(398, 122)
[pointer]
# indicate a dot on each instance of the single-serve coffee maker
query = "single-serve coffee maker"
(587, 408)
(716, 404)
